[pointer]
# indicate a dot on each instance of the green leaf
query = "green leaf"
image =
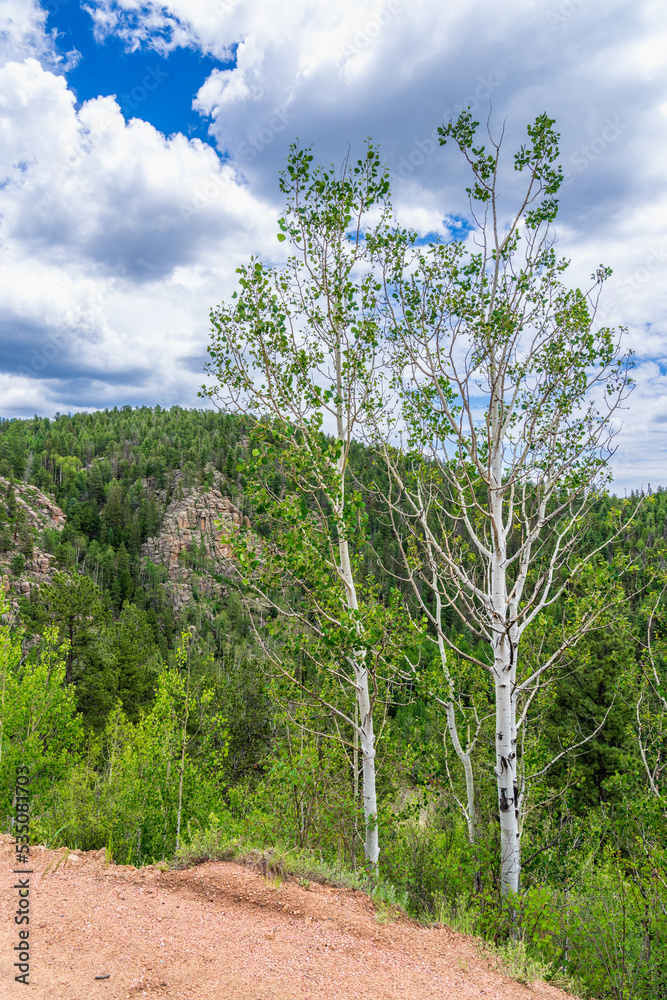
(281, 237)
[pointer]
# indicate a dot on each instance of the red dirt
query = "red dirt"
(221, 931)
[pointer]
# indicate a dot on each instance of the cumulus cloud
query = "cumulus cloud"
(23, 35)
(116, 195)
(333, 73)
(202, 24)
(22, 31)
(114, 241)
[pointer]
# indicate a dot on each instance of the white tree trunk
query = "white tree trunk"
(504, 671)
(506, 774)
(367, 739)
(464, 757)
(366, 734)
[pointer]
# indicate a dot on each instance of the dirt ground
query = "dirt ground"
(222, 931)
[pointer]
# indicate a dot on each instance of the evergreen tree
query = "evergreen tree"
(73, 604)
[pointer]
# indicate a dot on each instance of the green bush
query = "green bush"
(40, 728)
(614, 930)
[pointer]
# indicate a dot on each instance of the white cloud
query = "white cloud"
(23, 35)
(22, 30)
(115, 243)
(203, 24)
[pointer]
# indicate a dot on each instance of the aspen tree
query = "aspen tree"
(509, 393)
(298, 352)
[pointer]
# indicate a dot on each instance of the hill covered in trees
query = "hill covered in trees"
(137, 679)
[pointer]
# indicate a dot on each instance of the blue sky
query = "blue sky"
(155, 86)
(140, 145)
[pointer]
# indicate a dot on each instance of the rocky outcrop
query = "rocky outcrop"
(40, 511)
(191, 546)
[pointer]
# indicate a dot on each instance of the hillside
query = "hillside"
(161, 705)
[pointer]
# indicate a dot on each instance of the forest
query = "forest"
(426, 654)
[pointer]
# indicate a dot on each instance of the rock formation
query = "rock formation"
(41, 512)
(190, 544)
